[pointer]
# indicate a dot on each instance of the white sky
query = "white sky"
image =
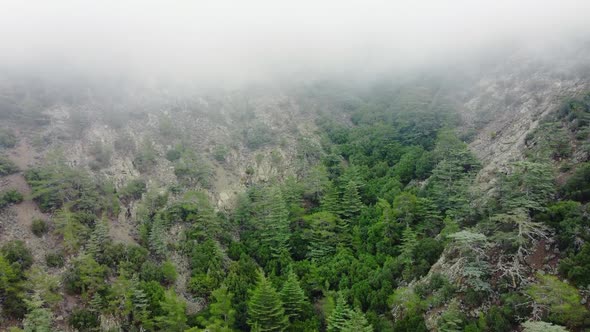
(251, 38)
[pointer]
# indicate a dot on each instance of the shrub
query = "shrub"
(146, 158)
(39, 227)
(11, 196)
(55, 259)
(7, 138)
(16, 252)
(258, 136)
(133, 190)
(220, 153)
(577, 187)
(173, 154)
(7, 166)
(102, 156)
(84, 320)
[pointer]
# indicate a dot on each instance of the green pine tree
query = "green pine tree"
(275, 222)
(174, 317)
(331, 200)
(409, 243)
(39, 318)
(99, 239)
(265, 308)
(340, 315)
(293, 297)
(357, 322)
(157, 238)
(221, 310)
(321, 236)
(351, 200)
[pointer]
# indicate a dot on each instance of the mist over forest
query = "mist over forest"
(314, 166)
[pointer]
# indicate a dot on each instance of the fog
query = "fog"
(232, 42)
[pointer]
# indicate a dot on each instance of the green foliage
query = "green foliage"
(39, 227)
(56, 185)
(562, 301)
(222, 314)
(577, 267)
(101, 154)
(70, 228)
(220, 152)
(322, 234)
(38, 319)
(529, 185)
(174, 314)
(84, 320)
(146, 157)
(7, 166)
(293, 297)
(7, 138)
(539, 326)
(577, 186)
(448, 185)
(452, 320)
(340, 316)
(258, 135)
(133, 190)
(85, 276)
(55, 259)
(16, 252)
(11, 196)
(192, 170)
(265, 308)
(351, 202)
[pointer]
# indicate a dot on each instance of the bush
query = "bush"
(164, 273)
(7, 138)
(39, 227)
(577, 187)
(11, 196)
(84, 320)
(16, 252)
(173, 154)
(146, 158)
(102, 156)
(7, 166)
(258, 136)
(55, 259)
(220, 153)
(133, 190)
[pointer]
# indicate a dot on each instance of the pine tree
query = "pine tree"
(409, 242)
(99, 239)
(293, 297)
(157, 239)
(351, 200)
(174, 317)
(322, 234)
(139, 302)
(357, 322)
(221, 310)
(331, 200)
(275, 222)
(97, 302)
(39, 318)
(340, 315)
(265, 308)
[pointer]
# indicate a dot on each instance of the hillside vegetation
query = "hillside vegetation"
(320, 207)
